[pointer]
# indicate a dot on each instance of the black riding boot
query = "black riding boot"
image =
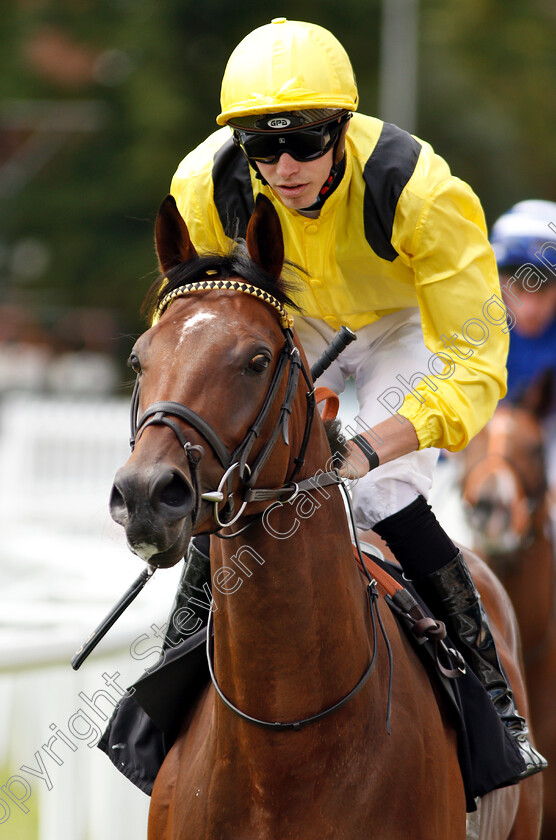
(429, 558)
(451, 594)
(191, 606)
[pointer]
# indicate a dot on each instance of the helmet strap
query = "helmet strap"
(337, 171)
(334, 178)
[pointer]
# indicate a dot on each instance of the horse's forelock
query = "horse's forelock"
(236, 263)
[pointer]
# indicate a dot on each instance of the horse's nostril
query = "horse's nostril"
(117, 505)
(150, 499)
(173, 492)
(176, 493)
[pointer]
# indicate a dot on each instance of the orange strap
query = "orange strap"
(387, 585)
(331, 402)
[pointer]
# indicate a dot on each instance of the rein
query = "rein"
(406, 608)
(279, 726)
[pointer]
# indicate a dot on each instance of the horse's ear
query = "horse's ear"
(172, 240)
(265, 243)
(538, 397)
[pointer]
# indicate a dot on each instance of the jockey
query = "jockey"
(394, 247)
(524, 242)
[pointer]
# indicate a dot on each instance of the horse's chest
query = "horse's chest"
(227, 801)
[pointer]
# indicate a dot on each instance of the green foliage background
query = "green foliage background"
(487, 74)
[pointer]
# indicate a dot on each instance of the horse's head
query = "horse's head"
(216, 395)
(504, 481)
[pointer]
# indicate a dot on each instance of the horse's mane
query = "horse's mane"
(235, 263)
(336, 440)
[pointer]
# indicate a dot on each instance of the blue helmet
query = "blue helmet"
(519, 234)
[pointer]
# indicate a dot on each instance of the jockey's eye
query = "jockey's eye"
(134, 363)
(258, 363)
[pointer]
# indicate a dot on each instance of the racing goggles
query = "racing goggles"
(303, 144)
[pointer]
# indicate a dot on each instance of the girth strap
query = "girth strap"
(387, 585)
(404, 605)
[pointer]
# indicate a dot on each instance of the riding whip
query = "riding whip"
(339, 343)
(90, 644)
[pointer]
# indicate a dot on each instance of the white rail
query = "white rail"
(63, 564)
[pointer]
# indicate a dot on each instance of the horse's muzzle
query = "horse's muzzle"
(154, 505)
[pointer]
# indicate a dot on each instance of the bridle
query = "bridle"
(289, 365)
(163, 413)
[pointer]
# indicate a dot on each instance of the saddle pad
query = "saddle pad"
(145, 724)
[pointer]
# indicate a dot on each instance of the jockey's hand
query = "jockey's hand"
(392, 438)
(359, 458)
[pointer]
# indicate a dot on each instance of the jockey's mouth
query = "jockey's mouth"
(290, 190)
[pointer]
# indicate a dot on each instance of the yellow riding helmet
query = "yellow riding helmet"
(287, 65)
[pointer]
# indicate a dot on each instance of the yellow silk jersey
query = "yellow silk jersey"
(398, 231)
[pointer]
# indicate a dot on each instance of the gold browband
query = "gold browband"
(286, 320)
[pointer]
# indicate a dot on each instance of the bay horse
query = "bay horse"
(290, 738)
(506, 500)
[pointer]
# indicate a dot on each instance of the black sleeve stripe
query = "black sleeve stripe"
(386, 173)
(233, 192)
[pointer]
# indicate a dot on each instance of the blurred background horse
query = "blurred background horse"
(507, 504)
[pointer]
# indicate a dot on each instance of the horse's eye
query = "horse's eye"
(134, 363)
(258, 363)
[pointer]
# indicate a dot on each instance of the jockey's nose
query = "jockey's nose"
(286, 165)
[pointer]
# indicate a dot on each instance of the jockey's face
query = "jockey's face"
(297, 184)
(534, 310)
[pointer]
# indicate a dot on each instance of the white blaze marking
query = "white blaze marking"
(193, 322)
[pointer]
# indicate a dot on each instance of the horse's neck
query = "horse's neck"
(291, 620)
